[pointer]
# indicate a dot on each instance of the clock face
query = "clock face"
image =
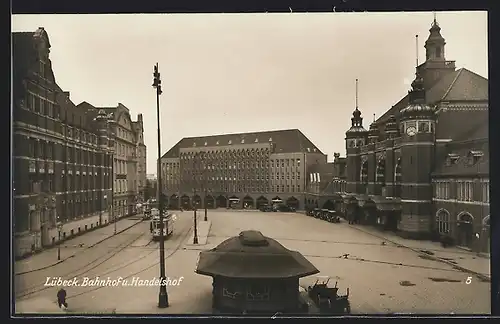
(411, 131)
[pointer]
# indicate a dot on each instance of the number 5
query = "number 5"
(468, 281)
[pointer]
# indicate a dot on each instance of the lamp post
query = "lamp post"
(59, 229)
(163, 295)
(195, 203)
(204, 166)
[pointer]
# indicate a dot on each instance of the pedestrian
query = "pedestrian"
(61, 299)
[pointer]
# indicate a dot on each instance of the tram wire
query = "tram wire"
(128, 263)
(177, 248)
(28, 291)
(392, 244)
(77, 253)
(153, 250)
(380, 262)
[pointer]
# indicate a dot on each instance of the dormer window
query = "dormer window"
(270, 139)
(308, 149)
(194, 143)
(256, 140)
(229, 142)
(474, 157)
(205, 143)
(242, 141)
(217, 143)
(314, 149)
(452, 159)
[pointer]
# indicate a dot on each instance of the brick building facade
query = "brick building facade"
(252, 167)
(61, 160)
(129, 158)
(422, 168)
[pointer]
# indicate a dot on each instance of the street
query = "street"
(383, 277)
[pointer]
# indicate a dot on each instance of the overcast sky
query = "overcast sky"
(229, 73)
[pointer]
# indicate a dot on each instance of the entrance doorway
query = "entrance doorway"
(465, 230)
(392, 220)
(44, 233)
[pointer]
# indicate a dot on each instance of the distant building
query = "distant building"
(62, 160)
(325, 182)
(422, 168)
(129, 155)
(252, 167)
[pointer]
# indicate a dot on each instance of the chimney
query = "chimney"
(139, 118)
(67, 94)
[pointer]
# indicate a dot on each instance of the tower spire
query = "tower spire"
(435, 19)
(356, 94)
(416, 46)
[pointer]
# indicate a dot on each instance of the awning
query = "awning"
(386, 204)
(361, 199)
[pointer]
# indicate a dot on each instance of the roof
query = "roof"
(23, 56)
(252, 255)
(24, 59)
(460, 85)
(462, 167)
(284, 141)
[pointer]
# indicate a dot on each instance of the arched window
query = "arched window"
(486, 222)
(364, 173)
(443, 221)
(381, 172)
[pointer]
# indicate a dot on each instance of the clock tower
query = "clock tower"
(418, 128)
(355, 137)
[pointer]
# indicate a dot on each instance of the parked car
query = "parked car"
(282, 208)
(266, 208)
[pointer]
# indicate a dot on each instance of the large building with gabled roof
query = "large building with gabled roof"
(422, 168)
(248, 169)
(61, 154)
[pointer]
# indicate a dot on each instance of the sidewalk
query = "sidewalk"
(71, 247)
(460, 259)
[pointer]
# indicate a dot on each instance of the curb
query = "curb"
(71, 256)
(455, 266)
(206, 241)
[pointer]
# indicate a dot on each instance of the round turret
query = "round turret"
(416, 111)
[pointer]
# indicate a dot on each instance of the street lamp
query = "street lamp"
(163, 295)
(204, 166)
(195, 234)
(59, 229)
(195, 202)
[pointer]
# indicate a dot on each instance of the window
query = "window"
(438, 52)
(31, 101)
(42, 106)
(486, 192)
(443, 222)
(42, 69)
(49, 151)
(31, 148)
